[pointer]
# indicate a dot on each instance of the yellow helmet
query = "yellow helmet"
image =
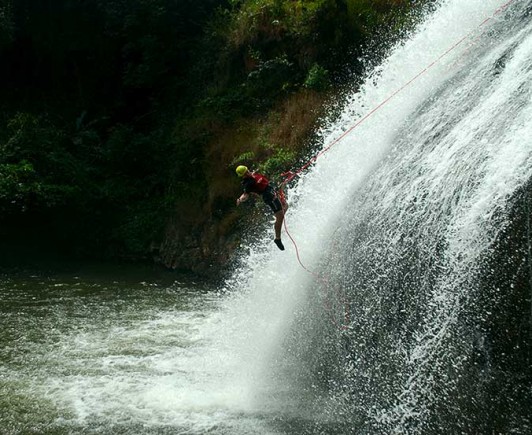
(241, 170)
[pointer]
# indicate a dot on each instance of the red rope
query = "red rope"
(289, 176)
(325, 283)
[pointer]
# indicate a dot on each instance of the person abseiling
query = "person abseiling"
(258, 184)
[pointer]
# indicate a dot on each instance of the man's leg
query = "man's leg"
(279, 208)
(279, 217)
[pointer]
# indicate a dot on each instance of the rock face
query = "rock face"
(206, 248)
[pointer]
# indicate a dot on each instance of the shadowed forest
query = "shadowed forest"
(121, 121)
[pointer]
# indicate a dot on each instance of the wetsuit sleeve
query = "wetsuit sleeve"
(247, 185)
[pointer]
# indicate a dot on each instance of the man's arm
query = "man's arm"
(243, 198)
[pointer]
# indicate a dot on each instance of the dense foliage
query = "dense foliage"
(113, 110)
(86, 144)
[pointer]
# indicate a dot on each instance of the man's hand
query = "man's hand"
(242, 198)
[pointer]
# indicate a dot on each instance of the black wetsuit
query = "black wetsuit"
(259, 184)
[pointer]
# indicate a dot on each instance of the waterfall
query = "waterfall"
(418, 223)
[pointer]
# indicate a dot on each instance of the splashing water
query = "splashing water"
(401, 218)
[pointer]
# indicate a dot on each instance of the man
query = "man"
(258, 184)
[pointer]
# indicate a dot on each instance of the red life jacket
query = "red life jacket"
(259, 184)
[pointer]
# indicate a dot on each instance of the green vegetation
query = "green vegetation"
(122, 120)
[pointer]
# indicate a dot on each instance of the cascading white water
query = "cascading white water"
(399, 217)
